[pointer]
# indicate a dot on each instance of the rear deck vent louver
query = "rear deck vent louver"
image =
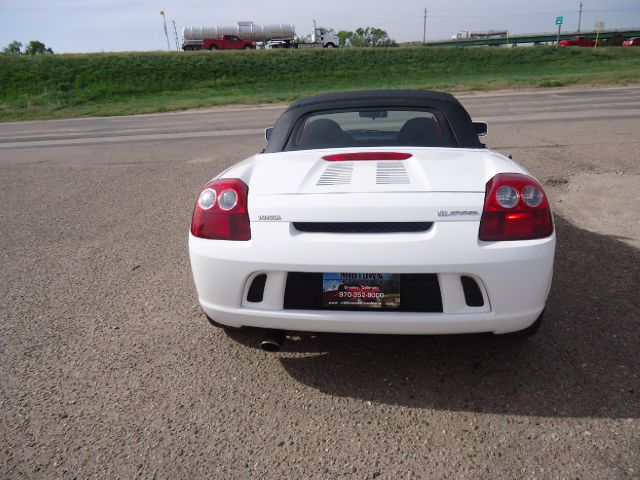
(337, 174)
(391, 173)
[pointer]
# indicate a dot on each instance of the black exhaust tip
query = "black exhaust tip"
(272, 340)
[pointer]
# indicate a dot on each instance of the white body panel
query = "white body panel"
(439, 185)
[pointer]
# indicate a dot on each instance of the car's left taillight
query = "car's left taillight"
(515, 208)
(221, 211)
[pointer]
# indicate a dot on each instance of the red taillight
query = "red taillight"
(515, 208)
(348, 157)
(221, 211)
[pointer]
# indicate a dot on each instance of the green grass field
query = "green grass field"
(61, 86)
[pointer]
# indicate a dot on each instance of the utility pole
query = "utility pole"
(580, 17)
(166, 34)
(424, 28)
(175, 32)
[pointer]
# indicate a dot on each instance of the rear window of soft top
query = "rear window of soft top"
(393, 127)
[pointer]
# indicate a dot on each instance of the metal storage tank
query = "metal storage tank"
(245, 30)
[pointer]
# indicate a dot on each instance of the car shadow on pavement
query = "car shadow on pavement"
(584, 361)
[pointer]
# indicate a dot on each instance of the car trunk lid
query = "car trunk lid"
(432, 184)
(426, 170)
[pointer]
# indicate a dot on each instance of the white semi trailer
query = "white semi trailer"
(280, 35)
(466, 34)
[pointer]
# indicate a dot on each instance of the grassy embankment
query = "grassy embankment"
(119, 84)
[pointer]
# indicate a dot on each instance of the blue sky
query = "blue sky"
(127, 25)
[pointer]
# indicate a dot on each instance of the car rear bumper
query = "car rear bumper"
(514, 278)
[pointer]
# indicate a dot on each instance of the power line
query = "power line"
(550, 12)
(389, 22)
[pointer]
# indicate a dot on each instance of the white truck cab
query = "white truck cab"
(320, 35)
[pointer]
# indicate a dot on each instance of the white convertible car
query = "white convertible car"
(374, 212)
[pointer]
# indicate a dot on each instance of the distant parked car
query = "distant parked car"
(578, 42)
(632, 42)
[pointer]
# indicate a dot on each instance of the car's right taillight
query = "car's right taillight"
(515, 208)
(221, 211)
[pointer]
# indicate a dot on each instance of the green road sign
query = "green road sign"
(559, 20)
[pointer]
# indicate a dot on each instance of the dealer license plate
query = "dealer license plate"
(358, 291)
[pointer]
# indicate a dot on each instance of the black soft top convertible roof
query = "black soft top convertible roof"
(456, 115)
(422, 97)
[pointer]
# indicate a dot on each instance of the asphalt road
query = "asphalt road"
(109, 369)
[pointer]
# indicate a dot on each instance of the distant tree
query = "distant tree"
(343, 36)
(615, 41)
(35, 47)
(14, 48)
(302, 39)
(368, 37)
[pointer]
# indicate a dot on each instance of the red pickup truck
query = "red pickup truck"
(227, 42)
(578, 42)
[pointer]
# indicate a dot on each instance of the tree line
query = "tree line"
(366, 37)
(34, 47)
(360, 37)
